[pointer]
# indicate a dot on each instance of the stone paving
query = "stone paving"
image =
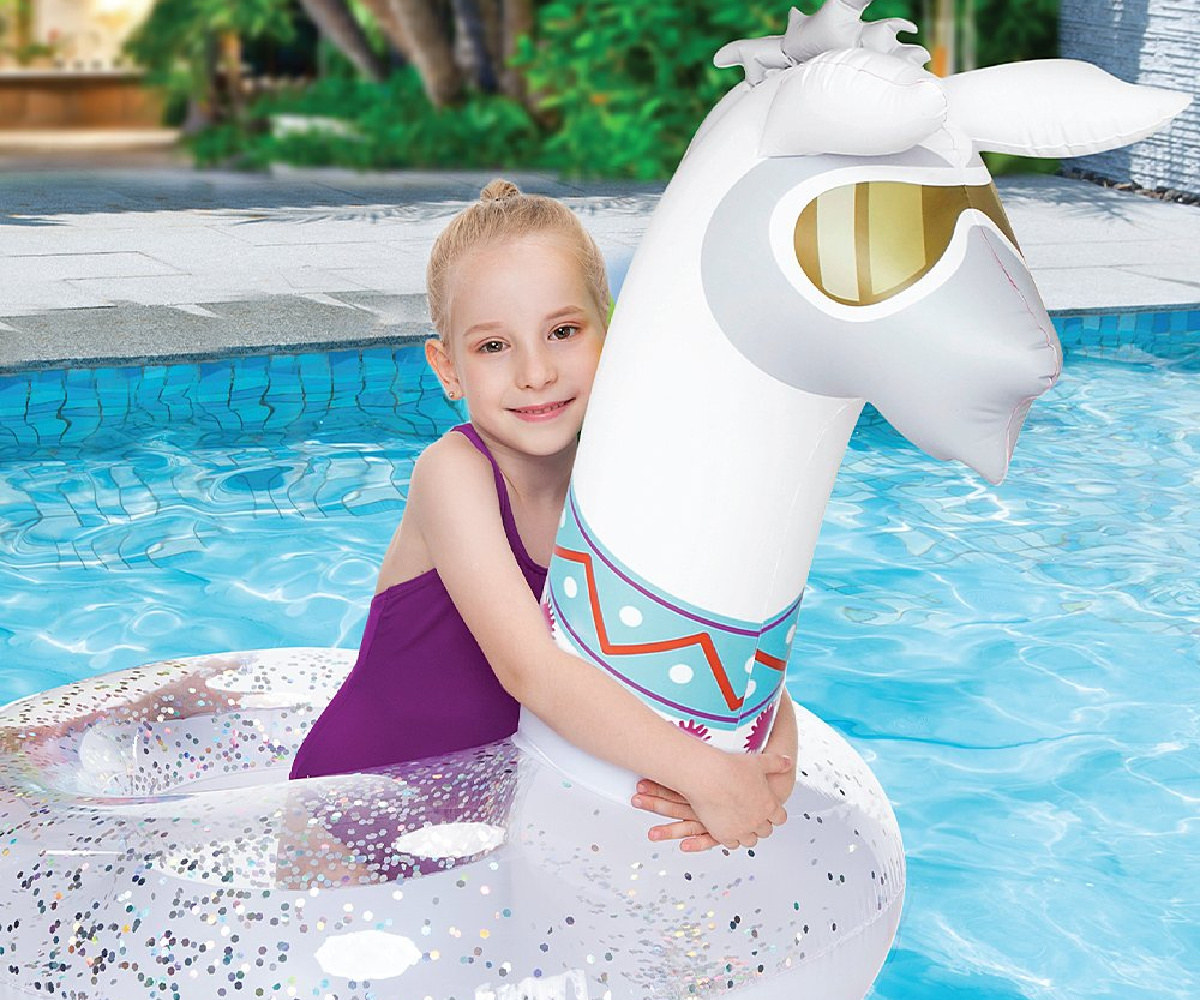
(105, 265)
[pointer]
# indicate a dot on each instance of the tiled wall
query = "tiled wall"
(264, 396)
(1162, 333)
(277, 396)
(1155, 42)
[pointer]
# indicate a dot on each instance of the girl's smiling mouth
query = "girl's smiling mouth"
(546, 411)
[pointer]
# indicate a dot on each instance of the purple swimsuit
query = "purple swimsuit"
(421, 685)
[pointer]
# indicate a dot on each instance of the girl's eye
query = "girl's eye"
(491, 346)
(564, 331)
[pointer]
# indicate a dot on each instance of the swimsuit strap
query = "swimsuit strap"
(506, 512)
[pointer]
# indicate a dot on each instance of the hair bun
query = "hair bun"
(498, 190)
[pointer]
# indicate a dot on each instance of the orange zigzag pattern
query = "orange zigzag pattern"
(700, 639)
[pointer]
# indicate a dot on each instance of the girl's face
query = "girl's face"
(523, 342)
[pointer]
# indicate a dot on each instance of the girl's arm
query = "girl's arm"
(665, 801)
(452, 501)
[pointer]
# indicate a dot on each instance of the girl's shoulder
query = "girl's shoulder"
(452, 452)
(450, 490)
(453, 473)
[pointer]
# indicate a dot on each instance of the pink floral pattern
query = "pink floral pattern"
(760, 730)
(548, 615)
(694, 728)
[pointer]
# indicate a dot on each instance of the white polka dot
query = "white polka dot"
(630, 616)
(750, 665)
(791, 636)
(681, 673)
(750, 689)
(570, 587)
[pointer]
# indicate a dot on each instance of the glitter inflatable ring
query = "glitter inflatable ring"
(152, 847)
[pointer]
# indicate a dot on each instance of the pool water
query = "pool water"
(1018, 663)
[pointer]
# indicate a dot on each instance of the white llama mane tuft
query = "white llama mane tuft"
(836, 25)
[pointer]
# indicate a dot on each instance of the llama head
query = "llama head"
(865, 252)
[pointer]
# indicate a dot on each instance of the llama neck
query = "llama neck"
(707, 477)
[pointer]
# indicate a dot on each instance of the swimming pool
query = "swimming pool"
(1018, 663)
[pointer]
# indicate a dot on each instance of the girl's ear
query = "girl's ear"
(439, 360)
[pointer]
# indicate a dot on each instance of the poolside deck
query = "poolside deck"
(116, 265)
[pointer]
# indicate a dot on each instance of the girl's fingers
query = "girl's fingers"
(648, 787)
(704, 842)
(676, 831)
(664, 807)
(775, 763)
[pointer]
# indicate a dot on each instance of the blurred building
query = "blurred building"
(1155, 42)
(61, 66)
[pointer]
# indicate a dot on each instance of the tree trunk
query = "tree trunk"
(208, 109)
(430, 50)
(231, 67)
(517, 20)
(393, 30)
(470, 45)
(336, 22)
(493, 36)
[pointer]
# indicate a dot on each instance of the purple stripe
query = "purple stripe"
(667, 604)
(759, 707)
(637, 687)
(784, 614)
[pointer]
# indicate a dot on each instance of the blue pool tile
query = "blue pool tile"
(284, 370)
(18, 433)
(80, 382)
(215, 381)
(284, 412)
(346, 368)
(14, 394)
(250, 381)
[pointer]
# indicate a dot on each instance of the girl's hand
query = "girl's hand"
(734, 804)
(665, 801)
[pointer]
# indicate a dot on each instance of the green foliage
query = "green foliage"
(618, 90)
(627, 84)
(174, 43)
(1015, 30)
(1008, 163)
(393, 126)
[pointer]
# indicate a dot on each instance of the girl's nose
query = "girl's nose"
(537, 369)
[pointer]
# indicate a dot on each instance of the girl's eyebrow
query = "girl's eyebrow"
(563, 312)
(494, 324)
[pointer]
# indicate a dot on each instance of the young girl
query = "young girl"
(455, 640)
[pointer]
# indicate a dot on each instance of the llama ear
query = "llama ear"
(1055, 107)
(854, 102)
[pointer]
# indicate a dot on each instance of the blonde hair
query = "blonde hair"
(503, 213)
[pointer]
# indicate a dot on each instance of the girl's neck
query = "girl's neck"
(538, 480)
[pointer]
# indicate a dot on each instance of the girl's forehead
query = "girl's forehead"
(531, 276)
(500, 251)
(529, 265)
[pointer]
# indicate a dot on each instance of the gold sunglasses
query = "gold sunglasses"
(863, 243)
